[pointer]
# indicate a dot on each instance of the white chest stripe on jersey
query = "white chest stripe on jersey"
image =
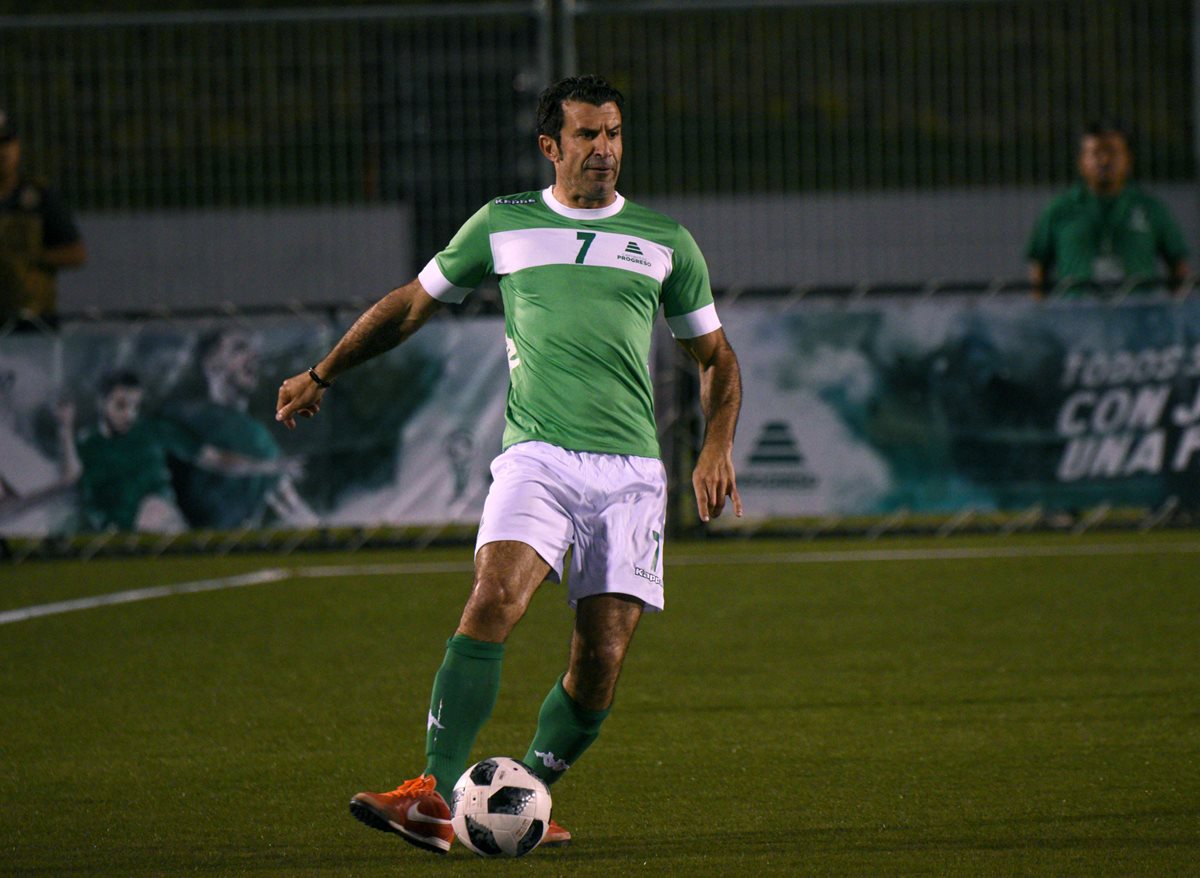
(532, 248)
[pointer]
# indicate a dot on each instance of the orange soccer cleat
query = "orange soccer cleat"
(415, 811)
(556, 836)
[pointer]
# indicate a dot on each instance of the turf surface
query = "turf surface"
(801, 709)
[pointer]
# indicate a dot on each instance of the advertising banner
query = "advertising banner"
(942, 405)
(168, 425)
(858, 408)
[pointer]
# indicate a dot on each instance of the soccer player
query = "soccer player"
(212, 497)
(583, 273)
(125, 481)
(1104, 230)
(123, 463)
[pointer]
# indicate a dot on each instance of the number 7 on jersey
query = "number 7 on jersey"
(587, 238)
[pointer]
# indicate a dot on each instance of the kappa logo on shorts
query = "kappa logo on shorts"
(647, 575)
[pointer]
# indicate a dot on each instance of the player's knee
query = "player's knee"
(495, 600)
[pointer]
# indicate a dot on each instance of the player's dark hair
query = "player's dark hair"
(119, 378)
(588, 88)
(1101, 127)
(210, 342)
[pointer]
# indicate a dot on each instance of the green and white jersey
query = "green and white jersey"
(581, 289)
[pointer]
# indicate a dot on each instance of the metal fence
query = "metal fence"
(776, 96)
(433, 104)
(425, 104)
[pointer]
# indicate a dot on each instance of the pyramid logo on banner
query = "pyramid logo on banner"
(776, 445)
(776, 461)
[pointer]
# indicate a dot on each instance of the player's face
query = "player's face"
(239, 357)
(1104, 162)
(587, 156)
(120, 409)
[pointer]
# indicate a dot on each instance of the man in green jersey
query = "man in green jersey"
(1104, 230)
(583, 273)
(124, 479)
(224, 499)
(123, 462)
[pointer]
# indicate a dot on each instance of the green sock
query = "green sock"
(464, 693)
(564, 731)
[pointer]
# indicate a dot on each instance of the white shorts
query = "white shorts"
(610, 507)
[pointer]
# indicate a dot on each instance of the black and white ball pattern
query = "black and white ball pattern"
(499, 808)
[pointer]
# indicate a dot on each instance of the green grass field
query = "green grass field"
(976, 706)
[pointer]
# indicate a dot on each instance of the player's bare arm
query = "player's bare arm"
(714, 478)
(384, 325)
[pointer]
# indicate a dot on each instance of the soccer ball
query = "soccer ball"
(499, 808)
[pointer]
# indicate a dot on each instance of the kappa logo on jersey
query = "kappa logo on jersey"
(776, 460)
(515, 201)
(551, 762)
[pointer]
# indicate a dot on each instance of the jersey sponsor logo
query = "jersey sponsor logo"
(637, 256)
(520, 249)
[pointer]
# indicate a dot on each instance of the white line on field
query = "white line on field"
(273, 574)
(279, 574)
(384, 569)
(839, 557)
(947, 554)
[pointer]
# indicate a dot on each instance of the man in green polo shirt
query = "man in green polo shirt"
(1104, 231)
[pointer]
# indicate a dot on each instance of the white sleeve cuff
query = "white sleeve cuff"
(695, 323)
(438, 287)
